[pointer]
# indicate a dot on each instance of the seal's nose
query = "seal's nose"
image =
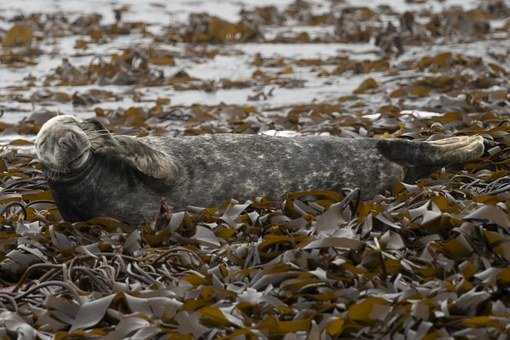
(68, 140)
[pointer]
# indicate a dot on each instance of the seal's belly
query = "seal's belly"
(219, 167)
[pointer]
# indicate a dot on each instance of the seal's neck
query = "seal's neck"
(75, 175)
(103, 188)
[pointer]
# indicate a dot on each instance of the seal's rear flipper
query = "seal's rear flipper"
(432, 154)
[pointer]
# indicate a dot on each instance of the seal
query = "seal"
(93, 173)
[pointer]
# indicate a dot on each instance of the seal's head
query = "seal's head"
(62, 146)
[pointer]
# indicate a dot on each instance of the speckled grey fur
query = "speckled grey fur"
(214, 168)
(209, 169)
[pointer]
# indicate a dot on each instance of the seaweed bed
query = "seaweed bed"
(429, 260)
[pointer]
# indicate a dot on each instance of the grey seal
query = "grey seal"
(93, 173)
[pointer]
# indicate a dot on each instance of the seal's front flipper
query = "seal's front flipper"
(432, 154)
(137, 154)
(147, 160)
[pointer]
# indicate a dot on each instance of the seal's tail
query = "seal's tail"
(437, 153)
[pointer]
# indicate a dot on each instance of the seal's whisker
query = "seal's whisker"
(103, 130)
(96, 134)
(99, 133)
